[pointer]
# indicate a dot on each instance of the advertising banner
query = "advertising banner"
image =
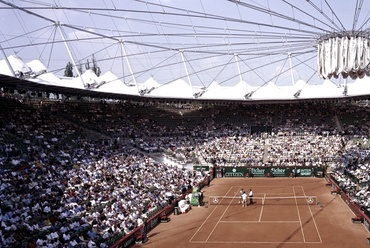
(201, 168)
(271, 171)
(306, 172)
(280, 172)
(235, 171)
(259, 171)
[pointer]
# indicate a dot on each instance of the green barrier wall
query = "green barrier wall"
(235, 172)
(273, 171)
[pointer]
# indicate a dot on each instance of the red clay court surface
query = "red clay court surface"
(292, 223)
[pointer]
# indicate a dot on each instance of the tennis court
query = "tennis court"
(287, 212)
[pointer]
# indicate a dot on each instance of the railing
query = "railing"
(151, 222)
(359, 213)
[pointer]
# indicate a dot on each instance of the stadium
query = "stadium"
(143, 123)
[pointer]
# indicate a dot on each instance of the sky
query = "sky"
(198, 41)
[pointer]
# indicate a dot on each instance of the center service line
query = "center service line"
(263, 203)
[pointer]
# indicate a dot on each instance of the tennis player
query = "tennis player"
(241, 191)
(244, 199)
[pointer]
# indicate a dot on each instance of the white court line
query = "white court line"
(313, 219)
(220, 218)
(258, 221)
(273, 193)
(299, 216)
(255, 242)
(204, 222)
(263, 204)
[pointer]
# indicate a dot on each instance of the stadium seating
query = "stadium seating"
(90, 172)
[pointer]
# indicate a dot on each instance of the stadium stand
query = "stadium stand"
(87, 173)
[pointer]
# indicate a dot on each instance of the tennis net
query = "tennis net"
(286, 200)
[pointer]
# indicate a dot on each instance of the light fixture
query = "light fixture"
(296, 95)
(345, 55)
(198, 94)
(143, 92)
(248, 95)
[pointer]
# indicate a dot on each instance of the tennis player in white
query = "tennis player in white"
(244, 199)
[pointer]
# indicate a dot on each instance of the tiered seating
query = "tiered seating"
(58, 179)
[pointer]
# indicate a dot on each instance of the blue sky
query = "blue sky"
(198, 41)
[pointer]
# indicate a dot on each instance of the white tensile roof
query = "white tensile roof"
(201, 49)
(110, 83)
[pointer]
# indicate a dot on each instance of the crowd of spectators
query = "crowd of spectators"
(82, 173)
(303, 136)
(64, 190)
(352, 172)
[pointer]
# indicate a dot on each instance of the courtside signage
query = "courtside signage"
(258, 172)
(279, 172)
(269, 171)
(235, 172)
(304, 172)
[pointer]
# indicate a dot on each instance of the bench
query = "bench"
(164, 218)
(335, 192)
(358, 219)
(140, 240)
